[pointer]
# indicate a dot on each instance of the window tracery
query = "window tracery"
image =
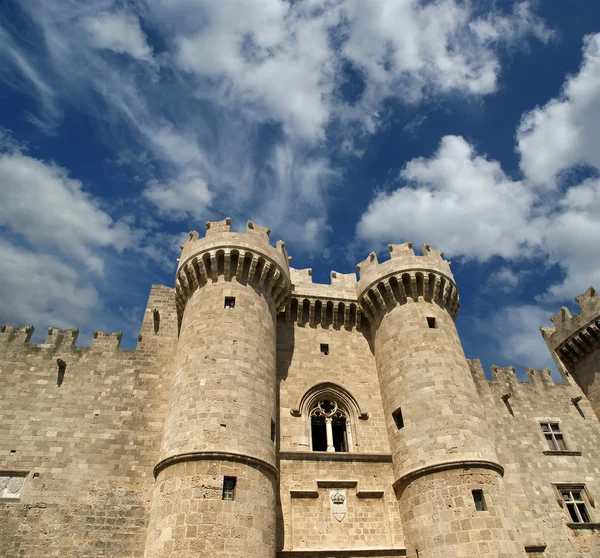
(329, 427)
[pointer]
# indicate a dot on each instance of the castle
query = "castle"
(263, 415)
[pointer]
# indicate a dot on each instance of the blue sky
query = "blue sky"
(342, 125)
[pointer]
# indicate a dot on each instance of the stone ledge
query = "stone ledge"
(370, 494)
(535, 547)
(562, 452)
(345, 553)
(304, 493)
(447, 465)
(334, 456)
(592, 526)
(216, 456)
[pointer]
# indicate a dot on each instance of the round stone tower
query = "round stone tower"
(574, 343)
(216, 478)
(448, 479)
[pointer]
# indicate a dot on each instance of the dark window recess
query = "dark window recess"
(340, 440)
(229, 488)
(553, 436)
(479, 500)
(324, 349)
(431, 322)
(319, 433)
(272, 431)
(62, 368)
(229, 302)
(575, 503)
(397, 414)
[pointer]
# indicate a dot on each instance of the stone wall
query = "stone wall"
(531, 469)
(88, 445)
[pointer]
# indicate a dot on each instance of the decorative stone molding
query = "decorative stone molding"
(248, 257)
(405, 277)
(216, 456)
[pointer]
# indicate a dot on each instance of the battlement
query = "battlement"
(60, 338)
(505, 376)
(406, 276)
(331, 305)
(249, 257)
(574, 337)
(341, 286)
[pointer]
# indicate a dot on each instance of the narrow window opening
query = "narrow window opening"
(324, 349)
(229, 488)
(479, 500)
(62, 368)
(340, 439)
(397, 414)
(229, 302)
(156, 319)
(273, 431)
(575, 504)
(553, 436)
(319, 434)
(431, 322)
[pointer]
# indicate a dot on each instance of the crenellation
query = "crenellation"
(104, 341)
(62, 337)
(14, 334)
(264, 415)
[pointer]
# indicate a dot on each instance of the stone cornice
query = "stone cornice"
(447, 465)
(216, 456)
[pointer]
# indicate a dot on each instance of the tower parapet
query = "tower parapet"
(406, 276)
(248, 257)
(574, 343)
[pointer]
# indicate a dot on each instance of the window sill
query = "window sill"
(562, 452)
(584, 525)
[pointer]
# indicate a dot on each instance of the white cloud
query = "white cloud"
(457, 201)
(518, 329)
(182, 198)
(566, 131)
(278, 60)
(506, 279)
(40, 289)
(119, 32)
(465, 205)
(281, 63)
(42, 204)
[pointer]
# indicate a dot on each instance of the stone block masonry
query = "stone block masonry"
(264, 415)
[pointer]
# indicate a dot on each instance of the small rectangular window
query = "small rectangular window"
(229, 302)
(574, 499)
(479, 500)
(272, 431)
(324, 349)
(229, 488)
(431, 322)
(553, 436)
(397, 414)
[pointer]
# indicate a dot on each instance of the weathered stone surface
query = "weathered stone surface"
(119, 453)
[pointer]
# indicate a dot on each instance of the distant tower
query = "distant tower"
(216, 478)
(445, 465)
(574, 343)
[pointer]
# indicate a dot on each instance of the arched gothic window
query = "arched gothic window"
(328, 423)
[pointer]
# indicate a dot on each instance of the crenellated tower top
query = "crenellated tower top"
(405, 276)
(574, 337)
(249, 257)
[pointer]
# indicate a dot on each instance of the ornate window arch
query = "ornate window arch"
(331, 413)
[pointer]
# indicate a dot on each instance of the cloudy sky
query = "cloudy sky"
(343, 125)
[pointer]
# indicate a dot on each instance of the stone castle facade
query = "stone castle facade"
(263, 415)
